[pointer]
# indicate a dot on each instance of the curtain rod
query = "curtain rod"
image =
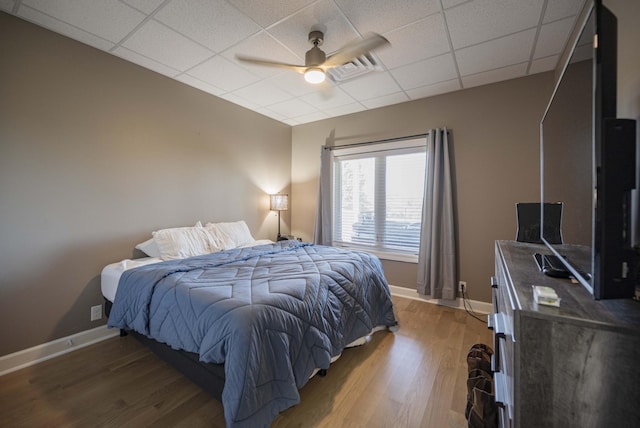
(386, 140)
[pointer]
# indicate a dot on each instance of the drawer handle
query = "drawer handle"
(495, 360)
(494, 282)
(498, 324)
(499, 382)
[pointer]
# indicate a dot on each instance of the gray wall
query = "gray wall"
(495, 142)
(495, 146)
(95, 153)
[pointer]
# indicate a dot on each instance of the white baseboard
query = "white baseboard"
(28, 357)
(478, 306)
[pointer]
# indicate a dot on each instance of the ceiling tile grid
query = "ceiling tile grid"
(497, 53)
(166, 46)
(215, 24)
(65, 29)
(436, 46)
(109, 19)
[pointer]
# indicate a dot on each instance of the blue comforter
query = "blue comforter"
(272, 314)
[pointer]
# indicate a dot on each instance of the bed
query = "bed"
(251, 324)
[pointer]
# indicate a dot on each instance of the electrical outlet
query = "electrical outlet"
(462, 286)
(96, 312)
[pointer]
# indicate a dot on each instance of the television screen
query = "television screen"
(568, 152)
(567, 144)
(588, 158)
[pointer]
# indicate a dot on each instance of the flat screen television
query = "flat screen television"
(588, 158)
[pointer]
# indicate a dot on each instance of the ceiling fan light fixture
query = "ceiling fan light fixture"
(314, 75)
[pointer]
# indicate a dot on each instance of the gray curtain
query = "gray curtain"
(322, 229)
(437, 257)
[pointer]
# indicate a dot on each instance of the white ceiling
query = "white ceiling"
(437, 46)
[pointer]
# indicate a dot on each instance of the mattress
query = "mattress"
(110, 276)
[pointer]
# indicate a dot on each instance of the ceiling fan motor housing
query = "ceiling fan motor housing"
(314, 57)
(316, 38)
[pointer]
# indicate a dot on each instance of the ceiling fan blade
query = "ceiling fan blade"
(355, 49)
(267, 63)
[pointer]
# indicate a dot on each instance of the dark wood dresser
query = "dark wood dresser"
(573, 366)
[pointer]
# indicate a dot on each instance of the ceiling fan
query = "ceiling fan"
(316, 62)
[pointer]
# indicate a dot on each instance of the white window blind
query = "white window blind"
(377, 196)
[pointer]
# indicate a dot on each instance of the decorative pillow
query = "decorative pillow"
(221, 238)
(231, 235)
(183, 242)
(150, 248)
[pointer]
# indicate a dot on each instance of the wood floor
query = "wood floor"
(415, 377)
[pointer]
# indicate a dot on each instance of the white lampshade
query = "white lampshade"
(279, 202)
(314, 75)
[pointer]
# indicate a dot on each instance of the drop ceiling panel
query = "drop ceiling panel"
(558, 9)
(330, 97)
(553, 37)
(7, 5)
(295, 84)
(110, 19)
(293, 108)
(231, 97)
(222, 73)
(345, 109)
(372, 85)
(311, 117)
(481, 20)
(162, 44)
(263, 93)
(136, 58)
(199, 84)
(65, 29)
(425, 72)
(396, 98)
(435, 89)
(266, 13)
(497, 75)
(420, 40)
(544, 64)
(451, 3)
(323, 15)
(381, 16)
(264, 46)
(265, 111)
(213, 23)
(497, 53)
(145, 6)
(437, 46)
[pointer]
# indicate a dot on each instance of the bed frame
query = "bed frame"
(207, 376)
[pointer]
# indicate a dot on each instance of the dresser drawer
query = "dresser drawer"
(501, 322)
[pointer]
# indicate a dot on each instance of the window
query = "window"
(377, 197)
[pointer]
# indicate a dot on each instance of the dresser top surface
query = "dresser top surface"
(576, 301)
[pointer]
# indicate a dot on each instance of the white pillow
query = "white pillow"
(183, 242)
(149, 247)
(231, 235)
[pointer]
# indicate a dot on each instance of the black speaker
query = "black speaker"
(529, 214)
(615, 272)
